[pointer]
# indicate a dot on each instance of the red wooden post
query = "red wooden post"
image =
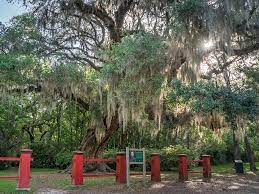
(183, 167)
(206, 166)
(155, 167)
(24, 170)
(77, 168)
(121, 168)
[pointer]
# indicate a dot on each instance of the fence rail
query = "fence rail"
(9, 159)
(193, 161)
(9, 177)
(99, 160)
(183, 167)
(99, 175)
(78, 161)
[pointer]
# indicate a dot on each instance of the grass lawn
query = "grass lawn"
(50, 178)
(229, 168)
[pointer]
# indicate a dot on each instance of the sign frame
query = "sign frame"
(128, 163)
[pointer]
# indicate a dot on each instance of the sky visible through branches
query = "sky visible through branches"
(9, 10)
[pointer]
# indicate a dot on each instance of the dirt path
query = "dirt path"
(227, 183)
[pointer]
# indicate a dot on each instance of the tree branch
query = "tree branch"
(39, 88)
(247, 50)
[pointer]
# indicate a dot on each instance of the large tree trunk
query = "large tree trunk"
(236, 141)
(90, 144)
(58, 122)
(249, 152)
(93, 148)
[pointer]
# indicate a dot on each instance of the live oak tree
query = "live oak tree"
(76, 32)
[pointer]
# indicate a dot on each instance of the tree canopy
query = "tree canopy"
(96, 72)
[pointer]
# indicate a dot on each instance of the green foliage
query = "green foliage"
(188, 8)
(20, 46)
(111, 153)
(44, 155)
(10, 119)
(63, 159)
(207, 96)
(16, 69)
(169, 156)
(219, 148)
(65, 74)
(138, 51)
(21, 36)
(135, 66)
(253, 77)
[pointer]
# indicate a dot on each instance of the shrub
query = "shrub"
(3, 164)
(257, 156)
(168, 155)
(63, 159)
(44, 155)
(111, 153)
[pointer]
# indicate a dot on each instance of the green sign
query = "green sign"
(136, 156)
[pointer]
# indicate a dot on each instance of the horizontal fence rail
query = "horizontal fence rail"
(139, 173)
(9, 159)
(99, 174)
(78, 161)
(9, 177)
(193, 161)
(99, 160)
(183, 167)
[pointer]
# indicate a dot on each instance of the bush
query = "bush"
(5, 152)
(219, 148)
(111, 153)
(257, 156)
(168, 155)
(3, 164)
(63, 159)
(44, 155)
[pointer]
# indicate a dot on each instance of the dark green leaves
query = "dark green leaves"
(207, 96)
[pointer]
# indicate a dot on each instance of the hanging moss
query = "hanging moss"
(135, 73)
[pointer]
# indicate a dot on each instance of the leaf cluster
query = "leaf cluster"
(204, 97)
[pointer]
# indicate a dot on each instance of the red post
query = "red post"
(77, 168)
(121, 168)
(155, 168)
(182, 167)
(24, 170)
(206, 166)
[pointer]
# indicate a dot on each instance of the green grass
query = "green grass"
(227, 168)
(49, 170)
(9, 186)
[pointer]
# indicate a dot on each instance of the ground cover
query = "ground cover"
(224, 179)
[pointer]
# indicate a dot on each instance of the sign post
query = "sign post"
(135, 156)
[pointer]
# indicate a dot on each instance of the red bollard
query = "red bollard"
(77, 168)
(182, 167)
(155, 168)
(24, 170)
(206, 166)
(121, 168)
